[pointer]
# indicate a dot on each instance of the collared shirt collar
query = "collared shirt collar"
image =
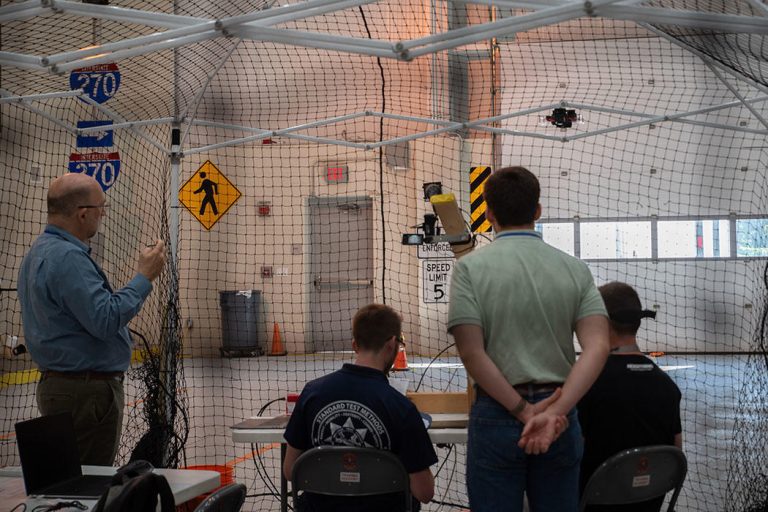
(66, 235)
(514, 233)
(364, 370)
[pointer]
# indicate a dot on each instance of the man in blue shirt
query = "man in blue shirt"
(356, 406)
(75, 325)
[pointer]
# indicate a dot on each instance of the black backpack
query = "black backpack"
(135, 487)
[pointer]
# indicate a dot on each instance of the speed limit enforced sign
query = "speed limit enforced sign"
(104, 167)
(100, 82)
(436, 275)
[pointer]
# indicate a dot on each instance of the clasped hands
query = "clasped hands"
(542, 425)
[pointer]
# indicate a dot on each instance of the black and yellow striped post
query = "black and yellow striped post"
(477, 177)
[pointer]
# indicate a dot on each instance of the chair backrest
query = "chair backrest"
(350, 471)
(229, 498)
(635, 475)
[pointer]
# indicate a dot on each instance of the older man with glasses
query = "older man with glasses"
(75, 324)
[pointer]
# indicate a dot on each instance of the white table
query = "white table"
(275, 435)
(185, 484)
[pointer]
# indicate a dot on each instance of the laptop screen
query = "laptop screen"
(48, 451)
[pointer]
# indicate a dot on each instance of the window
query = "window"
(615, 240)
(694, 239)
(751, 238)
(558, 235)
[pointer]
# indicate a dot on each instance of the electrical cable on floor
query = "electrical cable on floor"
(261, 468)
(453, 472)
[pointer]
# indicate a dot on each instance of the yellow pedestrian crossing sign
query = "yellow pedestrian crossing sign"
(208, 195)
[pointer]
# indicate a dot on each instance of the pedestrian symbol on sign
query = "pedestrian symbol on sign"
(209, 189)
(208, 195)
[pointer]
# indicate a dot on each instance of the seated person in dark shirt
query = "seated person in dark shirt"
(633, 402)
(356, 406)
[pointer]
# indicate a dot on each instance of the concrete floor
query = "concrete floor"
(720, 392)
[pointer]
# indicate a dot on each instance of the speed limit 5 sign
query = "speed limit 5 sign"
(436, 275)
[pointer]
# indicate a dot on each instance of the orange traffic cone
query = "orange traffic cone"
(277, 343)
(401, 362)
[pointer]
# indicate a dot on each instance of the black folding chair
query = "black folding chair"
(635, 475)
(349, 471)
(229, 498)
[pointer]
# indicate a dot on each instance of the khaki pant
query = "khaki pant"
(97, 411)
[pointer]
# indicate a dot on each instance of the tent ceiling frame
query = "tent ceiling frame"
(258, 26)
(441, 126)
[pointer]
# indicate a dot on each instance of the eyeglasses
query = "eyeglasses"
(102, 206)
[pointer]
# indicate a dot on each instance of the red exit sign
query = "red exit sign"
(336, 173)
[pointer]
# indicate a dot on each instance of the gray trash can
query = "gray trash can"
(240, 312)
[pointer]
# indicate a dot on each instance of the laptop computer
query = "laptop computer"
(50, 460)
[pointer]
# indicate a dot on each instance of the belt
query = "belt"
(87, 375)
(528, 389)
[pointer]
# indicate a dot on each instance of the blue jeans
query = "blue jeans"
(499, 472)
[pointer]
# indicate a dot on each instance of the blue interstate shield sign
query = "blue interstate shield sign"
(97, 139)
(104, 167)
(100, 82)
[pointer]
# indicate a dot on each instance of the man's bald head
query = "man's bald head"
(69, 191)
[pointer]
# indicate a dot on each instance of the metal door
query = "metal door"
(341, 267)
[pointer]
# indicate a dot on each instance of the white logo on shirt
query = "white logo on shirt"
(348, 423)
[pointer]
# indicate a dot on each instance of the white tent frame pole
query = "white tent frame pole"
(287, 35)
(517, 113)
(21, 65)
(132, 52)
(123, 14)
(741, 129)
(313, 124)
(216, 124)
(115, 117)
(22, 15)
(231, 142)
(173, 199)
(293, 12)
(41, 96)
(531, 135)
(758, 5)
(130, 43)
(21, 57)
(736, 93)
(324, 140)
(41, 113)
(505, 26)
(127, 125)
(407, 138)
(214, 28)
(689, 19)
(672, 117)
(199, 95)
(20, 7)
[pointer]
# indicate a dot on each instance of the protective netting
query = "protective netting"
(659, 182)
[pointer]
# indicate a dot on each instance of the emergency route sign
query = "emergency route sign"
(208, 195)
(436, 275)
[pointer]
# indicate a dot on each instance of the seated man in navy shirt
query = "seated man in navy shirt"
(356, 406)
(633, 402)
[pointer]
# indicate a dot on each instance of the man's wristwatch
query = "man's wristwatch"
(520, 407)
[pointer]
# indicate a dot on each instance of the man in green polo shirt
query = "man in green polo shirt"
(515, 305)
